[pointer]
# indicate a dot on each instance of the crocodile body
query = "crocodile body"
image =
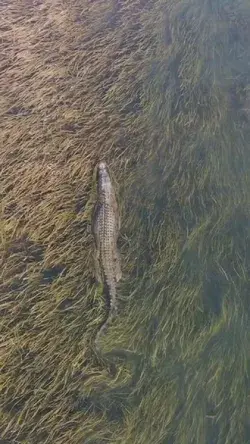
(105, 228)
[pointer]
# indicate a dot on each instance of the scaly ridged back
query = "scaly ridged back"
(105, 230)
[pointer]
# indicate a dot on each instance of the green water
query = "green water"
(187, 223)
(167, 104)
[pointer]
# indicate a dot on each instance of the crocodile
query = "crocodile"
(105, 229)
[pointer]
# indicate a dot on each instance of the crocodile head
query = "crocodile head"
(103, 178)
(102, 169)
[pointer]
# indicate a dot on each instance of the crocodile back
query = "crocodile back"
(106, 229)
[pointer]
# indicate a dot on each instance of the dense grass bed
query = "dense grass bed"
(160, 90)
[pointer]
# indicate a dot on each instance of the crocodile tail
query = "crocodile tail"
(103, 329)
(109, 291)
(99, 335)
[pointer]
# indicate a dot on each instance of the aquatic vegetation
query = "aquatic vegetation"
(160, 89)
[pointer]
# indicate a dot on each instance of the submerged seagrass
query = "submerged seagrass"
(105, 228)
(161, 87)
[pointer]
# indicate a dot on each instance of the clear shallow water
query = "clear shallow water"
(173, 122)
(189, 316)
